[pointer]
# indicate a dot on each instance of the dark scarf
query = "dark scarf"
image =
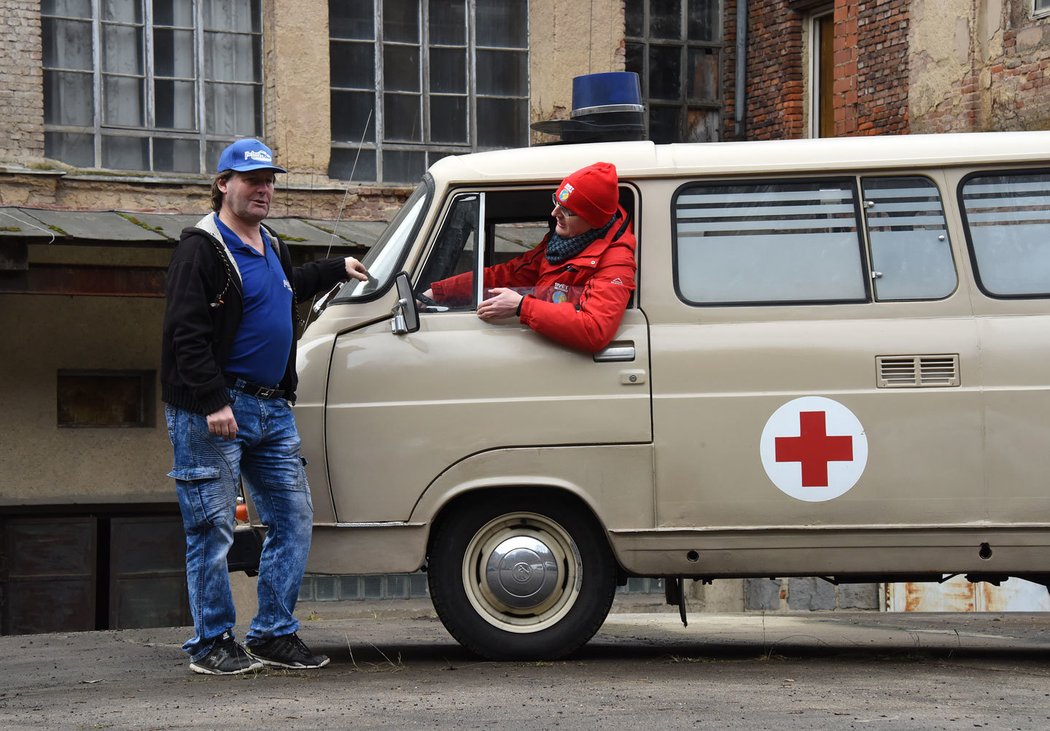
(559, 249)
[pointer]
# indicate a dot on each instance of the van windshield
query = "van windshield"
(387, 252)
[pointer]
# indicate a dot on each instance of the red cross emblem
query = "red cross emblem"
(814, 448)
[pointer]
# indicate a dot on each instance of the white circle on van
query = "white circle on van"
(814, 449)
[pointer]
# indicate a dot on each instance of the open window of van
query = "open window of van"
(489, 226)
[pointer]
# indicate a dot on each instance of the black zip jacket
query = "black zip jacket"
(203, 312)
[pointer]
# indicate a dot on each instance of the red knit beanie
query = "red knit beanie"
(591, 193)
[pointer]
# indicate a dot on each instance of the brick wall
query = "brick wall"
(870, 59)
(775, 93)
(21, 94)
(880, 36)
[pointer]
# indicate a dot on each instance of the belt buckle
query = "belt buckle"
(266, 392)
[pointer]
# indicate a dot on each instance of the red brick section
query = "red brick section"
(775, 102)
(845, 62)
(870, 58)
(879, 33)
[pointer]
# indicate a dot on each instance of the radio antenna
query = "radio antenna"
(316, 308)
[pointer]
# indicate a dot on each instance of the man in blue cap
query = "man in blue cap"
(228, 381)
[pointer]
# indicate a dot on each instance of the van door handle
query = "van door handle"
(616, 352)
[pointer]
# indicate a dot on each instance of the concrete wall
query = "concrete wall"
(41, 463)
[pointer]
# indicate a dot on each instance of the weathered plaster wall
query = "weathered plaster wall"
(174, 195)
(978, 65)
(568, 38)
(297, 107)
(941, 66)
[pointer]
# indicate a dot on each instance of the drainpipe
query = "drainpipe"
(740, 102)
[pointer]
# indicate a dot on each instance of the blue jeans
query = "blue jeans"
(207, 472)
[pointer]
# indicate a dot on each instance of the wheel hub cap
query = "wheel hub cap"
(522, 572)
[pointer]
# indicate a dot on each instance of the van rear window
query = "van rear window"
(1007, 220)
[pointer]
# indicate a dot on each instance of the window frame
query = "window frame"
(431, 150)
(821, 119)
(146, 406)
(208, 143)
(1040, 8)
(534, 199)
(685, 103)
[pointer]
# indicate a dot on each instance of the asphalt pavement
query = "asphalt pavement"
(394, 666)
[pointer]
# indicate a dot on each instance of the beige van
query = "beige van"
(836, 364)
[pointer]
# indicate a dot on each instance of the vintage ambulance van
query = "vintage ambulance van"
(836, 364)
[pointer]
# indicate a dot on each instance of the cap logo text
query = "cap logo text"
(257, 155)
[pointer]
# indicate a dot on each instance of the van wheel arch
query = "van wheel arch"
(520, 573)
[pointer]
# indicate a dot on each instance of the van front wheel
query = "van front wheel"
(512, 581)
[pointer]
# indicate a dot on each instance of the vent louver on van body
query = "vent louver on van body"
(917, 371)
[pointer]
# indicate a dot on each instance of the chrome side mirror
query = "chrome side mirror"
(405, 315)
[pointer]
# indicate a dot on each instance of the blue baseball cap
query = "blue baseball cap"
(245, 155)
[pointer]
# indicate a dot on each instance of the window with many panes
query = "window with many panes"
(150, 85)
(675, 46)
(416, 80)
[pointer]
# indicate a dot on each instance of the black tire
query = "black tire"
(549, 587)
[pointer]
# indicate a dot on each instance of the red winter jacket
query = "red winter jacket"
(578, 303)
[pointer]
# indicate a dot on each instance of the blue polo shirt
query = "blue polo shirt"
(264, 339)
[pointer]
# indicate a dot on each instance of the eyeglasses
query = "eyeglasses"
(559, 207)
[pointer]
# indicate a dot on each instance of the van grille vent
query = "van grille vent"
(917, 371)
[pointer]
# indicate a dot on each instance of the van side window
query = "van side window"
(1007, 219)
(911, 255)
(770, 242)
(456, 248)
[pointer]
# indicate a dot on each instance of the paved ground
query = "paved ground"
(396, 667)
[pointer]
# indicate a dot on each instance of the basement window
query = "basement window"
(106, 399)
(1041, 7)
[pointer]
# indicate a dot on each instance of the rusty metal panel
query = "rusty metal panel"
(959, 595)
(147, 585)
(49, 581)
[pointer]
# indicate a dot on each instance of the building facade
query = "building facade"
(115, 112)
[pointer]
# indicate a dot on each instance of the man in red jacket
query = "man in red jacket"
(581, 275)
